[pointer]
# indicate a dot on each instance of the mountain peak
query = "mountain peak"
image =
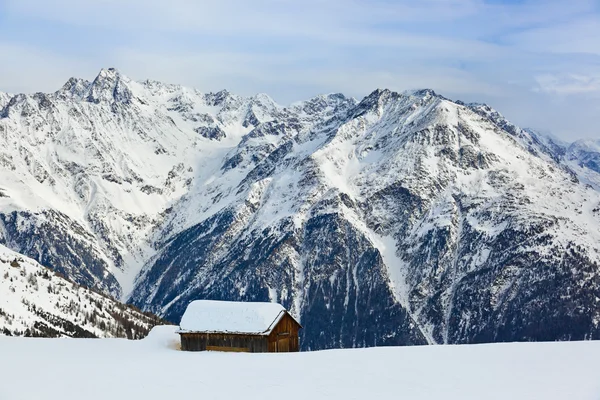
(217, 98)
(110, 85)
(335, 102)
(375, 100)
(379, 95)
(74, 88)
(423, 93)
(263, 98)
(109, 72)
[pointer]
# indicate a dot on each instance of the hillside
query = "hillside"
(151, 369)
(402, 218)
(37, 302)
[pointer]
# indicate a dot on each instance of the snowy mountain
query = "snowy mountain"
(582, 157)
(37, 302)
(405, 218)
(586, 152)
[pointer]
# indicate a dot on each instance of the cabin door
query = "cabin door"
(283, 344)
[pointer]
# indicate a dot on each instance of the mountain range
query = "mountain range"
(402, 218)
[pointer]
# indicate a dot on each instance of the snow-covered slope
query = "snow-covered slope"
(100, 163)
(4, 99)
(408, 219)
(405, 218)
(37, 302)
(151, 369)
(582, 157)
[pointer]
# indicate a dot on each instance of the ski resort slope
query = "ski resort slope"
(153, 369)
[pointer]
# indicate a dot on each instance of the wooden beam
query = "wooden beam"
(228, 349)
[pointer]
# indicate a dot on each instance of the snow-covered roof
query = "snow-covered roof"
(230, 316)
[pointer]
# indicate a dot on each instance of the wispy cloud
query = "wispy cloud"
(532, 59)
(568, 84)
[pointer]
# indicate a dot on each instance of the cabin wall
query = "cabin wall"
(226, 342)
(284, 337)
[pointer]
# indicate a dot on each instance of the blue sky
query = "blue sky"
(538, 62)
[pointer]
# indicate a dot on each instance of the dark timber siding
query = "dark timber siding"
(283, 338)
(226, 341)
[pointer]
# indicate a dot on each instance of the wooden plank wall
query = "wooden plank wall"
(200, 342)
(284, 337)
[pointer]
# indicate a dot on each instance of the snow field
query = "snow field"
(150, 369)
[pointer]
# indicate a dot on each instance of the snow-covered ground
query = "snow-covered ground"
(152, 369)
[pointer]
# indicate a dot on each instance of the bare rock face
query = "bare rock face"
(405, 218)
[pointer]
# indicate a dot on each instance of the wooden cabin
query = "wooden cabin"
(238, 326)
